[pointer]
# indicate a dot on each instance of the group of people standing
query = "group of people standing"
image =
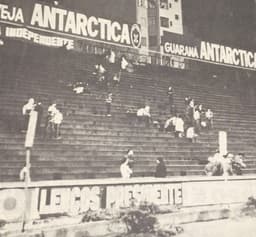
(190, 124)
(126, 167)
(53, 119)
(225, 165)
(106, 75)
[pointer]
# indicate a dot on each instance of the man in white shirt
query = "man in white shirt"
(143, 114)
(191, 135)
(170, 124)
(57, 121)
(226, 163)
(26, 110)
(214, 166)
(112, 57)
(124, 63)
(125, 170)
(179, 127)
(52, 109)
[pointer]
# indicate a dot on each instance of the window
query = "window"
(176, 0)
(142, 3)
(164, 22)
(170, 23)
(177, 17)
(170, 5)
(164, 4)
(151, 4)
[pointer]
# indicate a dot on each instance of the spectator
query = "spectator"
(179, 127)
(49, 126)
(52, 109)
(57, 121)
(39, 109)
(112, 57)
(191, 103)
(191, 135)
(214, 166)
(130, 156)
(187, 100)
(197, 120)
(116, 79)
(209, 118)
(81, 87)
(24, 174)
(200, 108)
(238, 164)
(108, 101)
(160, 168)
(170, 123)
(123, 63)
(159, 124)
(125, 170)
(78, 88)
(100, 73)
(144, 115)
(226, 163)
(26, 110)
(189, 113)
(170, 98)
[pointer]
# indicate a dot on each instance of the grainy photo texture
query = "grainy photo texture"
(127, 118)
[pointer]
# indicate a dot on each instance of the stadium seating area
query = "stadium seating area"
(92, 144)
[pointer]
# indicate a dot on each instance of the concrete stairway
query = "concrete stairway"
(92, 144)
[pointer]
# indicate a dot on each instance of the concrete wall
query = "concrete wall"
(77, 196)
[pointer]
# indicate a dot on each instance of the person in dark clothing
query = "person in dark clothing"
(160, 168)
(49, 127)
(189, 113)
(39, 109)
(130, 156)
(187, 100)
(238, 164)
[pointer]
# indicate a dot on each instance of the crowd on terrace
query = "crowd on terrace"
(225, 164)
(107, 75)
(53, 120)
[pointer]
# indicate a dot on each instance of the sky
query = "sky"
(229, 22)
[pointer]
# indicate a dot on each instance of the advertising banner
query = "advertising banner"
(48, 198)
(75, 200)
(211, 52)
(35, 21)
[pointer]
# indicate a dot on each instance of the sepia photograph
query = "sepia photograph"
(127, 118)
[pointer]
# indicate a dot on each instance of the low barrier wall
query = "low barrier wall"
(73, 197)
